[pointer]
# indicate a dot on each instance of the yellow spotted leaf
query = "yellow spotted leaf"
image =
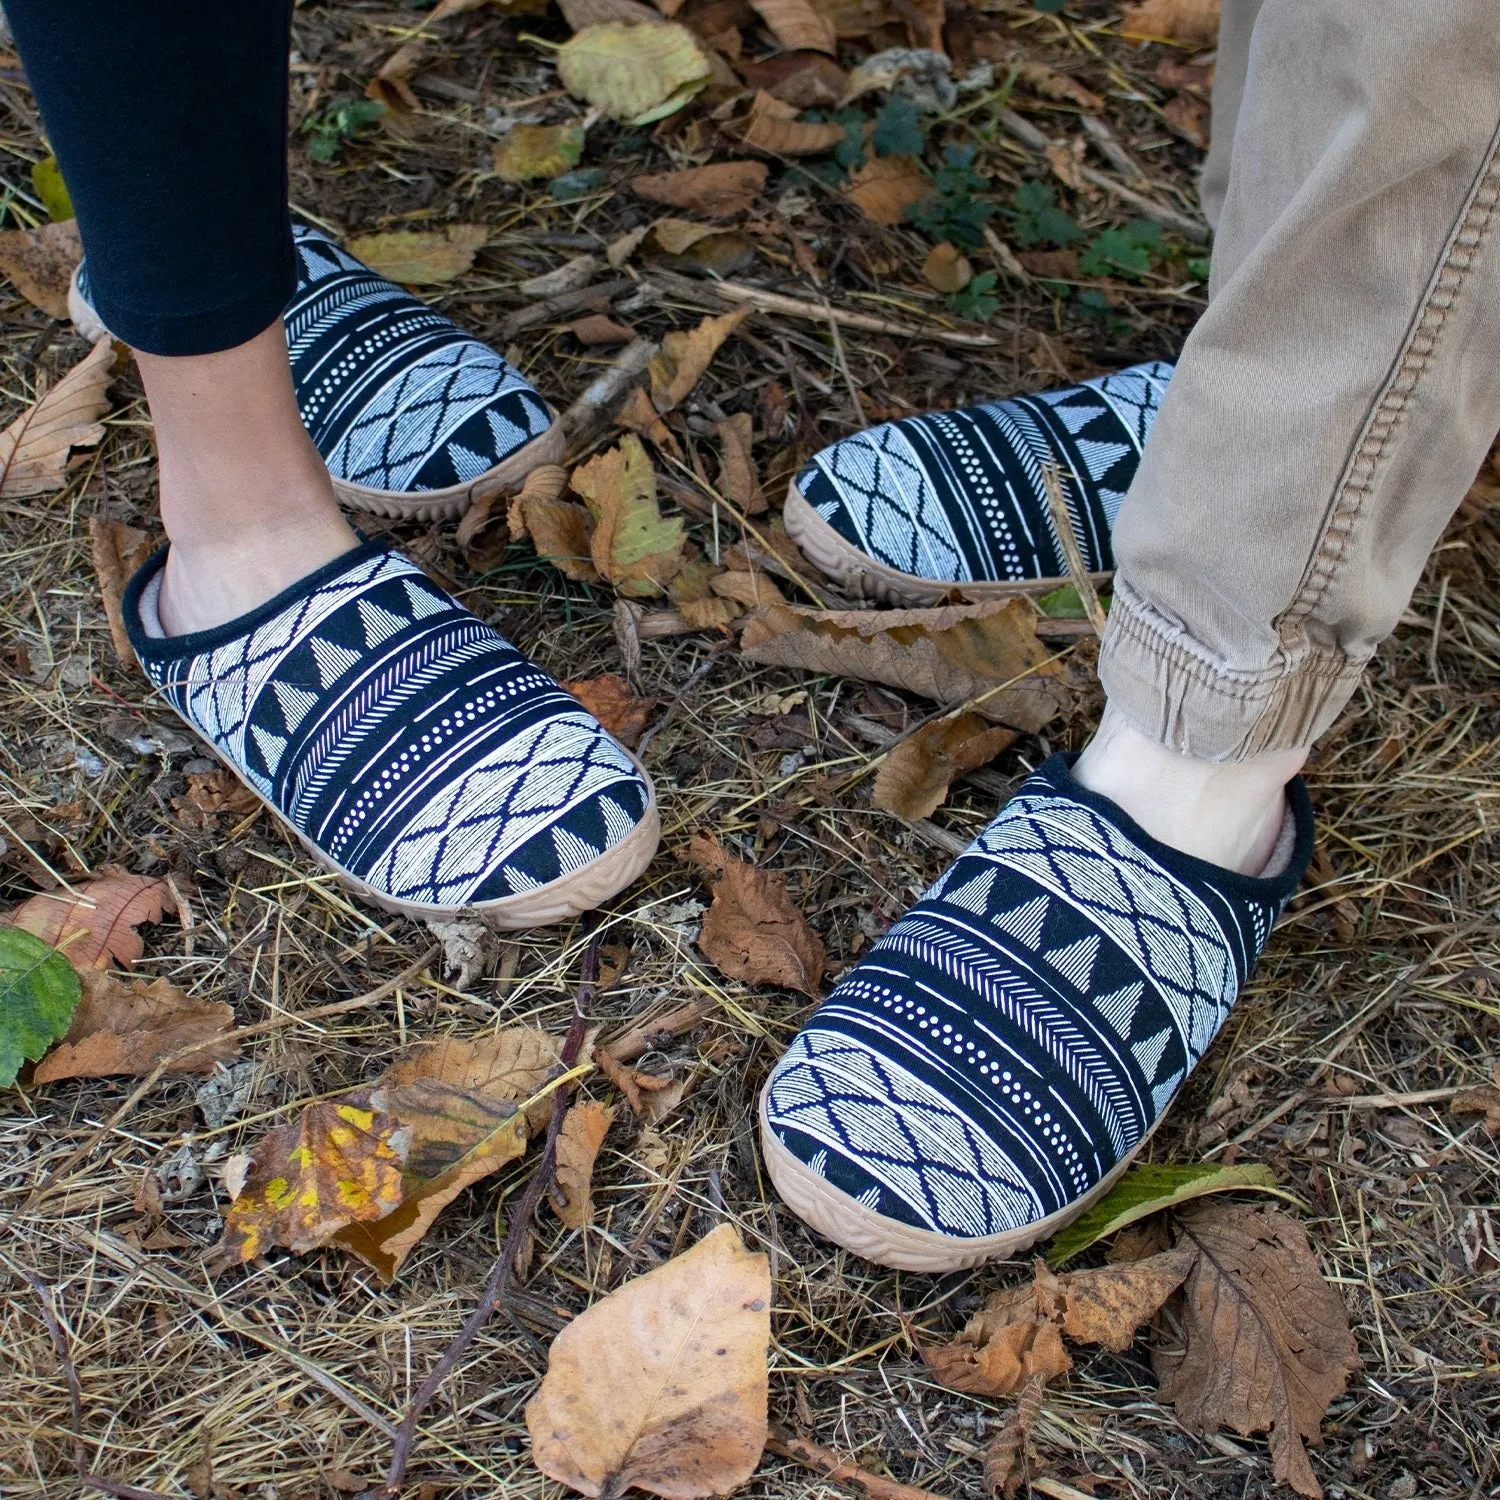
(421, 257)
(531, 151)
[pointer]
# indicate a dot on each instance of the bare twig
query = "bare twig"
(1062, 524)
(694, 678)
(595, 406)
(588, 298)
(520, 1225)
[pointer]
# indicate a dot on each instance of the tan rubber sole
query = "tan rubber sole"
(429, 505)
(847, 1222)
(559, 900)
(839, 559)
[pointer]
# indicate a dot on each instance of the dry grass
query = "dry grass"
(1379, 997)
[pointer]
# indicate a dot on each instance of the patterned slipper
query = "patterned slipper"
(413, 750)
(995, 1061)
(413, 416)
(911, 511)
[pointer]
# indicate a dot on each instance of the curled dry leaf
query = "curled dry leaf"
(616, 705)
(685, 356)
(650, 1096)
(36, 447)
(1194, 22)
(662, 1385)
(1482, 1099)
(634, 73)
(772, 126)
(947, 269)
(421, 257)
(738, 480)
(718, 191)
(95, 923)
(634, 547)
(808, 80)
(598, 329)
(1008, 1456)
(1266, 1345)
(40, 263)
(126, 1030)
(571, 276)
(537, 151)
(560, 530)
(372, 1171)
(583, 1130)
(752, 589)
(753, 931)
(1018, 1335)
(914, 778)
(118, 551)
(796, 24)
(952, 654)
(391, 86)
(885, 187)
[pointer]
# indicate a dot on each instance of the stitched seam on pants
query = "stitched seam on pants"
(1376, 440)
(1132, 622)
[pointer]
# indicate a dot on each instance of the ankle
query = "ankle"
(1229, 813)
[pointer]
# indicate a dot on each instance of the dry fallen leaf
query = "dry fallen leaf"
(126, 1030)
(886, 186)
(1195, 22)
(738, 480)
(857, 18)
(1482, 1099)
(1018, 1335)
(662, 1385)
(808, 80)
(94, 923)
(753, 931)
(1189, 117)
(951, 654)
(531, 151)
(40, 263)
(634, 73)
(421, 257)
(598, 328)
(796, 25)
(772, 126)
(35, 448)
(685, 356)
(583, 1130)
(752, 589)
(581, 13)
(118, 551)
(371, 1172)
(718, 191)
(391, 86)
(914, 778)
(616, 705)
(634, 547)
(651, 1096)
(1008, 1455)
(560, 530)
(1266, 1341)
(947, 269)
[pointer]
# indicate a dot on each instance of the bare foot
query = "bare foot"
(1229, 813)
(245, 498)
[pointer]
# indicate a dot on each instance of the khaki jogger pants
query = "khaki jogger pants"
(1335, 400)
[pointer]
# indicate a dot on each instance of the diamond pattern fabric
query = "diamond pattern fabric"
(1016, 1035)
(397, 398)
(958, 496)
(414, 747)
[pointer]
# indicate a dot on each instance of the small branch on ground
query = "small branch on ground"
(520, 1225)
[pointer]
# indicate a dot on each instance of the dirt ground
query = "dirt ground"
(1378, 1000)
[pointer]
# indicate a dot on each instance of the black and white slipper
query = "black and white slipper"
(953, 501)
(412, 749)
(413, 416)
(997, 1058)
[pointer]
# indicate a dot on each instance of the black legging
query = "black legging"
(168, 118)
